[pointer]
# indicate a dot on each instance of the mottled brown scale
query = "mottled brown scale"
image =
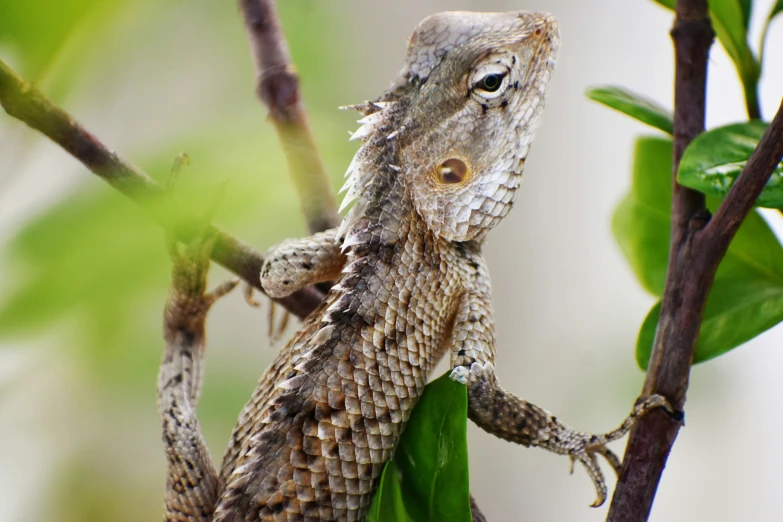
(440, 164)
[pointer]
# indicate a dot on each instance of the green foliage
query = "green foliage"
(634, 105)
(430, 466)
(642, 219)
(776, 10)
(730, 21)
(737, 311)
(37, 34)
(85, 275)
(98, 231)
(54, 40)
(746, 298)
(387, 504)
(747, 8)
(714, 160)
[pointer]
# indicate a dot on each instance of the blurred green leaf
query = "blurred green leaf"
(85, 278)
(747, 9)
(91, 250)
(737, 311)
(776, 10)
(432, 459)
(634, 105)
(97, 259)
(641, 222)
(646, 338)
(730, 22)
(387, 504)
(90, 491)
(714, 160)
(38, 30)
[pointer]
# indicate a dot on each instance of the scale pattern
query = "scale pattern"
(440, 164)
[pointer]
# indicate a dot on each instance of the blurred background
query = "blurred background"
(83, 272)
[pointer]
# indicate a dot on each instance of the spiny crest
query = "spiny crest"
(374, 128)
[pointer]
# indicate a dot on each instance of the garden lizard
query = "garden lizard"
(441, 160)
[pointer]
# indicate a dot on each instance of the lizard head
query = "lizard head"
(461, 116)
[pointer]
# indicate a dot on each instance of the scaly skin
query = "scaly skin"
(442, 157)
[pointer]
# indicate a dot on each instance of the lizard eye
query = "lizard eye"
(490, 82)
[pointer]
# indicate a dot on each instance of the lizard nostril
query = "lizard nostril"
(452, 170)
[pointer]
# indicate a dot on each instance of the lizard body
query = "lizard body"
(441, 160)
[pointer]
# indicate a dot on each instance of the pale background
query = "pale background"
(567, 305)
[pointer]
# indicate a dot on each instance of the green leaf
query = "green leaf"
(432, 459)
(714, 160)
(39, 30)
(747, 8)
(433, 455)
(634, 105)
(642, 220)
(776, 10)
(387, 505)
(100, 232)
(730, 22)
(641, 225)
(646, 337)
(747, 297)
(737, 311)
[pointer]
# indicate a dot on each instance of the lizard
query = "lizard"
(440, 163)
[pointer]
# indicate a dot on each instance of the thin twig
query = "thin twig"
(698, 244)
(278, 87)
(24, 102)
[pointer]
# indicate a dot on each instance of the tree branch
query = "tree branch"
(278, 87)
(24, 102)
(698, 244)
(743, 194)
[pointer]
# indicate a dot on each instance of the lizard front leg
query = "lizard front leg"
(296, 263)
(504, 415)
(191, 479)
(289, 266)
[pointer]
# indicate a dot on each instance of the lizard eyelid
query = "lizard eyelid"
(490, 82)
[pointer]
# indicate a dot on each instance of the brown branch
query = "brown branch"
(278, 87)
(475, 512)
(698, 244)
(683, 301)
(729, 216)
(24, 102)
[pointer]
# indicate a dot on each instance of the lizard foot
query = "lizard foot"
(516, 420)
(584, 447)
(188, 301)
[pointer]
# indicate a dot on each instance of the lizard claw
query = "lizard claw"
(585, 447)
(248, 294)
(190, 263)
(588, 460)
